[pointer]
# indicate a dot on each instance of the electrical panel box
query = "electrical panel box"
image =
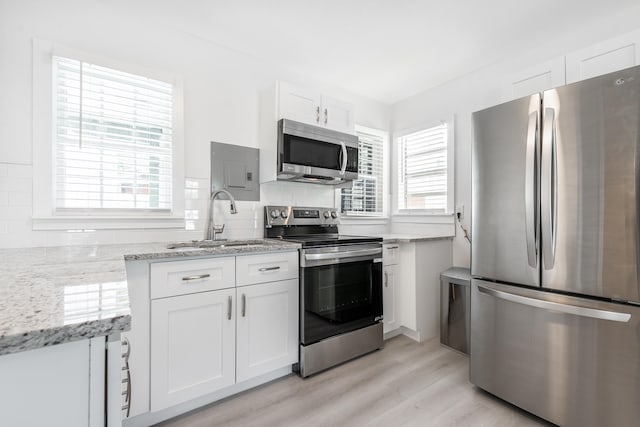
(236, 169)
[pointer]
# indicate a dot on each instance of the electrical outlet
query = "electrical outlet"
(460, 212)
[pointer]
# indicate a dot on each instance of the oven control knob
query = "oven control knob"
(284, 214)
(275, 213)
(334, 214)
(326, 214)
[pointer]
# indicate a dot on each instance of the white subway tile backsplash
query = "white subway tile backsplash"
(16, 213)
(20, 198)
(10, 183)
(16, 200)
(19, 171)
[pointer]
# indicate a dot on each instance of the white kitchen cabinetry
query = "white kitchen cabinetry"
(206, 328)
(60, 385)
(309, 106)
(390, 291)
(538, 78)
(267, 327)
(192, 346)
(421, 263)
(608, 56)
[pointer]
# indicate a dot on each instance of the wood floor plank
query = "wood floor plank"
(404, 384)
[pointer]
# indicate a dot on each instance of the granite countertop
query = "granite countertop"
(61, 294)
(410, 238)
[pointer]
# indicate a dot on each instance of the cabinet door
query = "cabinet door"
(267, 328)
(192, 346)
(602, 58)
(337, 115)
(299, 104)
(47, 386)
(389, 298)
(537, 78)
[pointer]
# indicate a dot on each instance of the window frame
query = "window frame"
(45, 216)
(449, 210)
(362, 216)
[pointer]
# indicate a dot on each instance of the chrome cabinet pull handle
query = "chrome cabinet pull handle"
(269, 268)
(318, 114)
(386, 280)
(244, 305)
(393, 247)
(229, 302)
(127, 380)
(326, 116)
(197, 277)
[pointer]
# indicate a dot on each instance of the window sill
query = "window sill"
(106, 223)
(430, 218)
(369, 220)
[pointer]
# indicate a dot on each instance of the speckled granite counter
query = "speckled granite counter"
(60, 294)
(410, 238)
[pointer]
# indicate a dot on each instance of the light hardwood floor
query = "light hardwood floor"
(405, 384)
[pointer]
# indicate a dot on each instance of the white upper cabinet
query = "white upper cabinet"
(537, 78)
(602, 58)
(309, 106)
(299, 104)
(337, 115)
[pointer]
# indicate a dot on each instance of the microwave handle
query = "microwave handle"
(344, 158)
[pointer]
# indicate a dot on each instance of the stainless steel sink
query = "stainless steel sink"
(201, 244)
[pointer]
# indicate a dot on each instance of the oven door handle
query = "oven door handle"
(345, 254)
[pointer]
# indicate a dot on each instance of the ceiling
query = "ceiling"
(388, 50)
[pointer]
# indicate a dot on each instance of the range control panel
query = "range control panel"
(293, 215)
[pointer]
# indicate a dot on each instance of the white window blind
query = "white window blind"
(366, 195)
(423, 170)
(113, 140)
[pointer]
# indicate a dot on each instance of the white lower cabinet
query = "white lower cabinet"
(208, 332)
(267, 336)
(389, 297)
(62, 385)
(390, 287)
(192, 346)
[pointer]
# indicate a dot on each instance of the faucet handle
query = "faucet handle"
(217, 229)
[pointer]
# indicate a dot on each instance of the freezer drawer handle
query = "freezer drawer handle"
(554, 306)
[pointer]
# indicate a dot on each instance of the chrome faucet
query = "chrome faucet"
(212, 230)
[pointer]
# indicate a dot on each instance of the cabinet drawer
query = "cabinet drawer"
(391, 253)
(187, 277)
(262, 268)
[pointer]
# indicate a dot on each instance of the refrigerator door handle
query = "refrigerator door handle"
(557, 307)
(531, 186)
(548, 191)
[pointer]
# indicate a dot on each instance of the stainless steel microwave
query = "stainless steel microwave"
(308, 153)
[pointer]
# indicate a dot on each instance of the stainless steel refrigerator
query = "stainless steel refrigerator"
(555, 304)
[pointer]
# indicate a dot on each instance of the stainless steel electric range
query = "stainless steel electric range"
(340, 286)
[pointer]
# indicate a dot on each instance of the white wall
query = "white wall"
(221, 92)
(482, 89)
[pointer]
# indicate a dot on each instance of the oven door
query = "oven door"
(340, 290)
